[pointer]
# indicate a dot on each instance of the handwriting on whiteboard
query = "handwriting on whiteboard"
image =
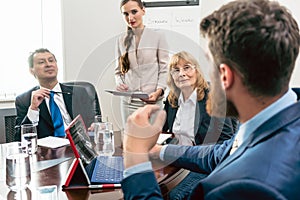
(169, 20)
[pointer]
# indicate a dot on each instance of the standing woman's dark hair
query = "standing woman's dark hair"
(142, 57)
(124, 60)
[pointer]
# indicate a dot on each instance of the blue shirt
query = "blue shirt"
(249, 126)
(243, 133)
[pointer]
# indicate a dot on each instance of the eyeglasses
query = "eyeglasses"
(186, 69)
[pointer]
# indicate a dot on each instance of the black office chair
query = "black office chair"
(91, 110)
(88, 110)
(10, 122)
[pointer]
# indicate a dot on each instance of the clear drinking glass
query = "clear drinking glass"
(24, 194)
(97, 121)
(17, 166)
(104, 138)
(29, 137)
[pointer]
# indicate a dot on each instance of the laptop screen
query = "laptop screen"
(80, 141)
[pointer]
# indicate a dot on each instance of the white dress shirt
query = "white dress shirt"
(183, 126)
(33, 115)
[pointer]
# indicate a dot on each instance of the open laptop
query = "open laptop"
(100, 169)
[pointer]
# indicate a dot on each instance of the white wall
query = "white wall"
(23, 32)
(89, 33)
(208, 6)
(294, 7)
(89, 28)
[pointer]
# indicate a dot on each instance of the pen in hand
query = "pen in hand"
(122, 86)
(60, 92)
(122, 77)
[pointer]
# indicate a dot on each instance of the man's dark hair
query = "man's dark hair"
(259, 39)
(41, 50)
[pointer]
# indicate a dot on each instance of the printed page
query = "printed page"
(52, 142)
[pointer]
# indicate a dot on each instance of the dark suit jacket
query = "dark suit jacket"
(265, 166)
(78, 102)
(216, 129)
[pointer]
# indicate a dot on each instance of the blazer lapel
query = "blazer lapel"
(44, 111)
(45, 114)
(197, 119)
(132, 55)
(171, 118)
(68, 98)
(264, 131)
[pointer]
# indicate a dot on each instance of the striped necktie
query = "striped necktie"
(58, 124)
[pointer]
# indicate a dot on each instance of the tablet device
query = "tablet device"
(137, 94)
(99, 169)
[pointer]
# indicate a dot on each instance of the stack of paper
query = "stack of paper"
(52, 142)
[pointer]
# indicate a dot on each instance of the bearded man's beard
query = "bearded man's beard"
(217, 105)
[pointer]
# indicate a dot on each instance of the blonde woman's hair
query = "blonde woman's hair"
(201, 84)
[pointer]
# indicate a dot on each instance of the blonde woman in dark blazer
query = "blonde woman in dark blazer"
(186, 103)
(187, 117)
(142, 57)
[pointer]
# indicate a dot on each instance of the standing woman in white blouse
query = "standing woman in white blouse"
(142, 57)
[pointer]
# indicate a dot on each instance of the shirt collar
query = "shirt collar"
(192, 98)
(248, 127)
(56, 88)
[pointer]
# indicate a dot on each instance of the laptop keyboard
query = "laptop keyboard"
(108, 169)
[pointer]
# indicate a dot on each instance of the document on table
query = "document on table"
(53, 142)
(137, 94)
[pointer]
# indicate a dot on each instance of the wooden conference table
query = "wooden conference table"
(50, 167)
